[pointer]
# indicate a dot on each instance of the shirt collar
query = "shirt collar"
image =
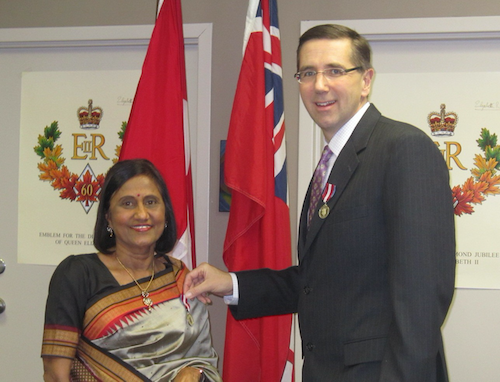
(339, 140)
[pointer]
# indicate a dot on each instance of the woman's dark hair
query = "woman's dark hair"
(116, 177)
(361, 51)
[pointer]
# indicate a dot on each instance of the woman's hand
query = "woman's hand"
(56, 369)
(188, 374)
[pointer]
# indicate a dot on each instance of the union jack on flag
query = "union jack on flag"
(258, 233)
(274, 97)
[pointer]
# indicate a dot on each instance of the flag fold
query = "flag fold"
(258, 233)
(157, 128)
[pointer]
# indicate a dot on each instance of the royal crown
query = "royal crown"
(442, 123)
(89, 117)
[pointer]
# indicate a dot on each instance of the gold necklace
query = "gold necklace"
(144, 292)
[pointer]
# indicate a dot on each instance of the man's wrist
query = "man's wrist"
(233, 299)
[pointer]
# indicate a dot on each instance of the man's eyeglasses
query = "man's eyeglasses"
(308, 76)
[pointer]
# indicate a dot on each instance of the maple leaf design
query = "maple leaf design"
(486, 139)
(484, 181)
(476, 189)
(461, 201)
(493, 153)
(492, 182)
(43, 143)
(62, 177)
(121, 133)
(100, 179)
(53, 155)
(483, 166)
(68, 193)
(50, 135)
(47, 170)
(68, 184)
(52, 131)
(87, 189)
(52, 168)
(64, 180)
(117, 153)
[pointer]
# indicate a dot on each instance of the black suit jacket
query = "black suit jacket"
(375, 277)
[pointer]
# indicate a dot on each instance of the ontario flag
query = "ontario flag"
(158, 127)
(258, 232)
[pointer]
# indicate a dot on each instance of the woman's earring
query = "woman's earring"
(166, 225)
(110, 230)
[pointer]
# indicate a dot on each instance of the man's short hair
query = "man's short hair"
(361, 51)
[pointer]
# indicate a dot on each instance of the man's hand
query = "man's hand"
(206, 279)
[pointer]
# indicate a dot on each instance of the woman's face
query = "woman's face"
(137, 215)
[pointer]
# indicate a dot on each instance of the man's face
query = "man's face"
(332, 102)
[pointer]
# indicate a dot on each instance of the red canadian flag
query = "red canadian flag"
(158, 127)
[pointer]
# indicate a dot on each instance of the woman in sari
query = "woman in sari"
(119, 314)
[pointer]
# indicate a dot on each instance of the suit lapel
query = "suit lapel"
(303, 221)
(342, 172)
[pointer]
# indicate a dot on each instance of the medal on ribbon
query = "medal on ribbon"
(328, 193)
(189, 317)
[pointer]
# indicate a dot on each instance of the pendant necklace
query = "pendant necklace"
(144, 291)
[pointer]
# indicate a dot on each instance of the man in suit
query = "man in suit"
(377, 250)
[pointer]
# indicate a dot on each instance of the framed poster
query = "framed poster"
(66, 73)
(72, 123)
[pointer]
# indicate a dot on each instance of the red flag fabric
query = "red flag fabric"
(157, 128)
(258, 233)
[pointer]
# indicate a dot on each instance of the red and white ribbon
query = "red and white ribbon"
(328, 192)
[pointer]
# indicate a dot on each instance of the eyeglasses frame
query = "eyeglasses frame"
(344, 72)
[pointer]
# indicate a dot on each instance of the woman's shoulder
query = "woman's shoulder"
(84, 258)
(77, 263)
(83, 271)
(172, 262)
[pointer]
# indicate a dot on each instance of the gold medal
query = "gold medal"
(189, 317)
(324, 211)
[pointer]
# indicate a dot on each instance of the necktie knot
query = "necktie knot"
(325, 156)
(318, 181)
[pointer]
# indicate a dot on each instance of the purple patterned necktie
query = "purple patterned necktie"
(318, 177)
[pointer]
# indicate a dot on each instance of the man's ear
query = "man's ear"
(367, 82)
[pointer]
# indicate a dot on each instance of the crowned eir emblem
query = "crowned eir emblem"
(86, 187)
(442, 123)
(89, 117)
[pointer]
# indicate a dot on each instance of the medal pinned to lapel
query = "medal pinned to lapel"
(189, 317)
(328, 193)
